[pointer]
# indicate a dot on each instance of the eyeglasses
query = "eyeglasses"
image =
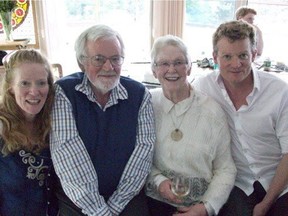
(99, 60)
(178, 65)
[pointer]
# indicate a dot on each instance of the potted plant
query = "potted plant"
(6, 9)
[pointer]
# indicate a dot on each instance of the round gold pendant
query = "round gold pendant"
(176, 135)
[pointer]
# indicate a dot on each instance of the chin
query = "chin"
(106, 87)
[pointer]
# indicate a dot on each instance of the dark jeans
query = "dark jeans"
(158, 208)
(136, 207)
(239, 204)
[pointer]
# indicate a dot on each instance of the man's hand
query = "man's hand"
(260, 209)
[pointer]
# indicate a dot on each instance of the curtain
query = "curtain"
(167, 18)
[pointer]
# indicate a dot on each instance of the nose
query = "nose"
(107, 65)
(34, 90)
(236, 62)
(171, 67)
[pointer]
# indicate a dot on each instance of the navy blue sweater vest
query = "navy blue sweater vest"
(109, 136)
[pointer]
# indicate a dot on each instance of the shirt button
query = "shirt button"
(48, 203)
(48, 174)
(48, 189)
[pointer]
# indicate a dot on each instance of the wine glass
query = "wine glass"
(180, 186)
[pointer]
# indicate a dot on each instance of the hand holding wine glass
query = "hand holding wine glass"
(180, 186)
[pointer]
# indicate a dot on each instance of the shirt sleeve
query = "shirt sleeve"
(139, 164)
(71, 160)
(281, 126)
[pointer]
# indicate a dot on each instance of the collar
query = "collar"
(180, 107)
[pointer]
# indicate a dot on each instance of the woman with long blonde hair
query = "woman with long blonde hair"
(25, 165)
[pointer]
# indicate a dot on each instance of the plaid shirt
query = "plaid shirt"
(74, 166)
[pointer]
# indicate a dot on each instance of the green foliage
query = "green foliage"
(7, 5)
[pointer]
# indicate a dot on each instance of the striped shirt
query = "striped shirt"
(73, 164)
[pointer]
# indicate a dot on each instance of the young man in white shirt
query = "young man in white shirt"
(256, 104)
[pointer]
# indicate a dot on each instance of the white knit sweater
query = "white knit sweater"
(203, 154)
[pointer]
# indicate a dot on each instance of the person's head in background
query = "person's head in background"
(171, 64)
(100, 54)
(26, 98)
(234, 50)
(246, 14)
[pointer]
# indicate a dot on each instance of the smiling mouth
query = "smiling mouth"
(33, 101)
(172, 78)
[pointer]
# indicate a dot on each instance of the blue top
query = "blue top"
(25, 180)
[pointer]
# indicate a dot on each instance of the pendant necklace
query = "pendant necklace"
(177, 134)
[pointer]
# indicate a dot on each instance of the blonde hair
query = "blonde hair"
(14, 132)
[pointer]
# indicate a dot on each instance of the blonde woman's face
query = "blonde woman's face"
(30, 88)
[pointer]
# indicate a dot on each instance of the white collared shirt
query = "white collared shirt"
(259, 130)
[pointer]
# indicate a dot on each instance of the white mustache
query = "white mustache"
(107, 73)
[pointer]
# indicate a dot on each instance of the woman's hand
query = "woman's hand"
(166, 192)
(194, 210)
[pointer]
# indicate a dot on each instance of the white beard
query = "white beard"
(105, 87)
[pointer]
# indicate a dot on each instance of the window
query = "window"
(202, 19)
(273, 21)
(133, 19)
(71, 17)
